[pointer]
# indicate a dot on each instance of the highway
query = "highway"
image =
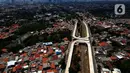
(84, 40)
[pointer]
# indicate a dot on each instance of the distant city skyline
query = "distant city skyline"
(29, 1)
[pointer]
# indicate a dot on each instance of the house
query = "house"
(10, 63)
(105, 70)
(65, 39)
(108, 63)
(53, 65)
(116, 70)
(40, 67)
(47, 43)
(119, 56)
(46, 65)
(25, 66)
(44, 60)
(40, 71)
(113, 58)
(4, 50)
(103, 44)
(105, 59)
(52, 71)
(2, 66)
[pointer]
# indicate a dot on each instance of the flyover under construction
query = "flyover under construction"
(80, 59)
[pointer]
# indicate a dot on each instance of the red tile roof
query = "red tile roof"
(5, 59)
(113, 58)
(55, 57)
(33, 65)
(103, 44)
(62, 48)
(109, 64)
(31, 58)
(128, 54)
(40, 67)
(44, 60)
(43, 72)
(65, 39)
(123, 41)
(50, 70)
(52, 65)
(55, 25)
(51, 51)
(2, 66)
(14, 69)
(4, 50)
(18, 67)
(37, 55)
(24, 54)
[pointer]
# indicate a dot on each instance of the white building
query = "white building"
(105, 70)
(116, 70)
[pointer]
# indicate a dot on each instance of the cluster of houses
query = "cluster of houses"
(56, 27)
(7, 31)
(43, 57)
(110, 42)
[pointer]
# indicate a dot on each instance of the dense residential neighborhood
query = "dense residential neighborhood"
(111, 44)
(57, 36)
